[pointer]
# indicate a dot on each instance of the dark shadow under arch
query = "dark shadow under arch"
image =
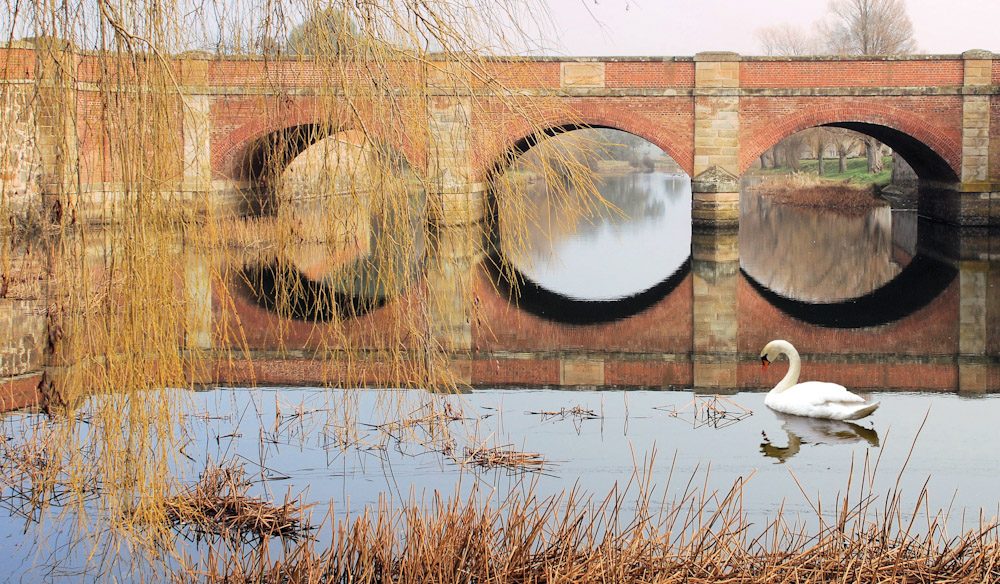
(916, 286)
(266, 157)
(543, 303)
(307, 299)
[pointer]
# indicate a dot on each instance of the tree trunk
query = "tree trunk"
(874, 155)
(819, 160)
(841, 162)
(792, 158)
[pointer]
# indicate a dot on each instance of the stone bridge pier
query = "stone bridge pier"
(948, 132)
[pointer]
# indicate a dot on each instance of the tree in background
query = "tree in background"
(329, 31)
(787, 40)
(846, 144)
(817, 140)
(869, 27)
(852, 27)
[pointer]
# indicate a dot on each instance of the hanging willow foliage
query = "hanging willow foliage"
(352, 216)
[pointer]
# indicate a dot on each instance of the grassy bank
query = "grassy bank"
(856, 172)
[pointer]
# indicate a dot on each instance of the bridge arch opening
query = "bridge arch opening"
(829, 225)
(933, 155)
(590, 253)
(349, 214)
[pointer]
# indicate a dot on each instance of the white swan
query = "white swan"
(813, 399)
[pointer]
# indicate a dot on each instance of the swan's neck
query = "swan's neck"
(794, 366)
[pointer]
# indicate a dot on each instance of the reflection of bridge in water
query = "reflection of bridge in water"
(706, 329)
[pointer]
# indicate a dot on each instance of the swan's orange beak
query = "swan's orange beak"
(764, 362)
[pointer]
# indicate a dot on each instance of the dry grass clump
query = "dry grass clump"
(426, 426)
(218, 504)
(505, 457)
(575, 413)
(806, 190)
(714, 411)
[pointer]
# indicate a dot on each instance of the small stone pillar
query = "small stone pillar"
(973, 326)
(55, 117)
(198, 300)
(455, 206)
(715, 269)
(976, 201)
(715, 184)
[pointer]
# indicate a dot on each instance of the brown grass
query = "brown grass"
(218, 504)
(625, 537)
(504, 457)
(714, 411)
(803, 190)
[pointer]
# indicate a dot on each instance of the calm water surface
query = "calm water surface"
(789, 463)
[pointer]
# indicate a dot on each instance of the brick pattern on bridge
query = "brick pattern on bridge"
(666, 122)
(500, 325)
(813, 73)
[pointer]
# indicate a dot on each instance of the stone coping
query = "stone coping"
(701, 56)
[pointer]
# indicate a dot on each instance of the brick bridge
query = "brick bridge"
(714, 114)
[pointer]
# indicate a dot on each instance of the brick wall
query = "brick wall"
(667, 122)
(995, 136)
(816, 73)
(619, 74)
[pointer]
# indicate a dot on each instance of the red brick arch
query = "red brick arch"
(755, 139)
(676, 142)
(230, 148)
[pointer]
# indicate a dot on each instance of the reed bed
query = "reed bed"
(807, 190)
(627, 536)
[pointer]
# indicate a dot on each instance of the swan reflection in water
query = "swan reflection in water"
(801, 430)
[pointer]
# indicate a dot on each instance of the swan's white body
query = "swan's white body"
(813, 399)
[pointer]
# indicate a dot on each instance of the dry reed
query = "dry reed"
(218, 504)
(143, 258)
(503, 457)
(628, 536)
(714, 411)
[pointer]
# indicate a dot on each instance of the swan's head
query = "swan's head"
(769, 354)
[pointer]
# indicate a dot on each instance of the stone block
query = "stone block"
(710, 74)
(588, 372)
(978, 72)
(194, 72)
(718, 377)
(580, 75)
(973, 377)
